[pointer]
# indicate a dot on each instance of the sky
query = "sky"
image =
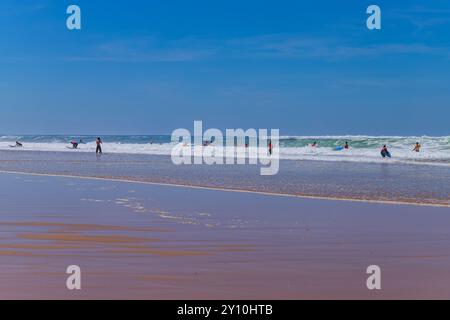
(152, 66)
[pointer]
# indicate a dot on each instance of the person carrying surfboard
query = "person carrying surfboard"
(385, 152)
(74, 144)
(17, 145)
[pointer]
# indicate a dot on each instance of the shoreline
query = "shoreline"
(236, 190)
(390, 161)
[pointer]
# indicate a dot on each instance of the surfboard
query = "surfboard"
(386, 154)
(339, 148)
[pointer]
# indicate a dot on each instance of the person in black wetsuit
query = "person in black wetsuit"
(99, 146)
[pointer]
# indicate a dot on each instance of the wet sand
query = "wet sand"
(137, 241)
(383, 182)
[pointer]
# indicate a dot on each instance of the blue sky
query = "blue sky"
(148, 67)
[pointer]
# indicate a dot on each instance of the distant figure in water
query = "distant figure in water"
(417, 147)
(270, 146)
(18, 144)
(99, 146)
(385, 152)
(74, 144)
(346, 145)
(314, 144)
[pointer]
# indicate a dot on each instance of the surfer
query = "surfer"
(74, 144)
(98, 150)
(417, 147)
(17, 145)
(314, 144)
(270, 146)
(385, 152)
(346, 145)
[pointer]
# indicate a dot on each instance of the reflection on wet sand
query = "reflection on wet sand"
(66, 237)
(161, 242)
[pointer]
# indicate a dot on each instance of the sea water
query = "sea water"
(435, 150)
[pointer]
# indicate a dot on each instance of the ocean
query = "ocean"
(365, 149)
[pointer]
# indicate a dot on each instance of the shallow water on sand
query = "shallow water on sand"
(359, 181)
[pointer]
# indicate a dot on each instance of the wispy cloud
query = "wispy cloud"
(423, 17)
(146, 49)
(270, 46)
(298, 47)
(9, 7)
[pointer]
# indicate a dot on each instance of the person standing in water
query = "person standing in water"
(346, 145)
(385, 152)
(270, 147)
(417, 147)
(99, 146)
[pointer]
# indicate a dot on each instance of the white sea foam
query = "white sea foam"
(435, 150)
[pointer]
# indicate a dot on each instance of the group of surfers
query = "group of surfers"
(384, 150)
(74, 144)
(98, 142)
